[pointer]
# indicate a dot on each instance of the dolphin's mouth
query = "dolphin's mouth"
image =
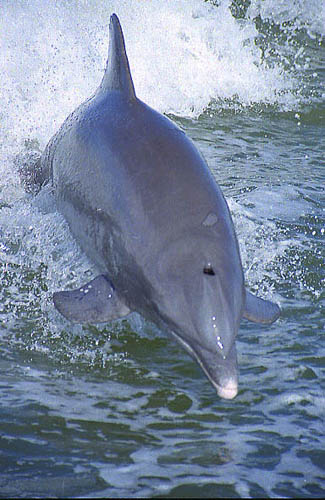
(227, 391)
(221, 371)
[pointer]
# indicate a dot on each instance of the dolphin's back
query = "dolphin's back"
(137, 168)
(121, 149)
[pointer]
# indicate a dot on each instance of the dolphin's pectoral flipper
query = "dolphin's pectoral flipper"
(259, 310)
(95, 302)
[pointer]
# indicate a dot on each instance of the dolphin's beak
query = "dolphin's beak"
(222, 372)
(229, 390)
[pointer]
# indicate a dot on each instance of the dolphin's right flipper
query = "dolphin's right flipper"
(95, 302)
(259, 310)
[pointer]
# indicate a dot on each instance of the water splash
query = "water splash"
(48, 67)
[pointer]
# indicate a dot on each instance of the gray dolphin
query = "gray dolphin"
(143, 205)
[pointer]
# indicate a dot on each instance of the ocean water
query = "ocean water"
(120, 409)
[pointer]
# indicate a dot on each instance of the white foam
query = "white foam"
(282, 202)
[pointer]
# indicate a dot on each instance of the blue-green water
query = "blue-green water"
(120, 409)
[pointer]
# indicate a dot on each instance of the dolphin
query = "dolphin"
(143, 205)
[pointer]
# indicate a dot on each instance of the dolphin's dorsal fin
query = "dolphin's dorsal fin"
(117, 74)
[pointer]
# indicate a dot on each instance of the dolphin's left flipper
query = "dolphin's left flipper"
(260, 310)
(95, 302)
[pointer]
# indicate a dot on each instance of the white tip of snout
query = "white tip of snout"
(228, 391)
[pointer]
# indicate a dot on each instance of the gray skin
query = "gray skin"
(143, 205)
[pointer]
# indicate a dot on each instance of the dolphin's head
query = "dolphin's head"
(202, 299)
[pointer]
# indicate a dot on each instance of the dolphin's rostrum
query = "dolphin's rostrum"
(144, 206)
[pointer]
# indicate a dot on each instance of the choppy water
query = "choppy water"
(122, 410)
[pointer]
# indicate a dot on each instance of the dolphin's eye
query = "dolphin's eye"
(208, 269)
